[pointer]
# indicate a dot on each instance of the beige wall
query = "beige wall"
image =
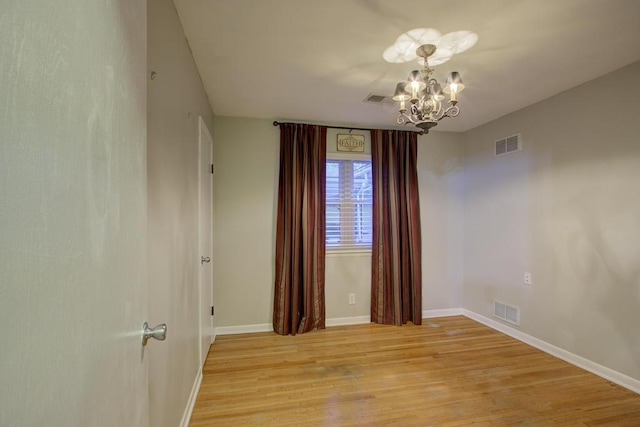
(566, 209)
(440, 180)
(73, 270)
(245, 195)
(175, 100)
(245, 185)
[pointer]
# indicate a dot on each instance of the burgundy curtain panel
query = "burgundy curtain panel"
(396, 274)
(300, 235)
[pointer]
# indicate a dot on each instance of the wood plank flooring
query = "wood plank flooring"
(449, 371)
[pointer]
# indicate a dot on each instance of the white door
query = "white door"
(73, 214)
(206, 240)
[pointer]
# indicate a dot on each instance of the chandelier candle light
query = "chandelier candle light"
(426, 95)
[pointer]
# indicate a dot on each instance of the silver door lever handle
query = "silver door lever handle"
(159, 333)
(204, 259)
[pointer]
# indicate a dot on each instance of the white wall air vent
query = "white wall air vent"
(508, 145)
(506, 312)
(375, 99)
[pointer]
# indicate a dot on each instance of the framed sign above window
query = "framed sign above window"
(350, 143)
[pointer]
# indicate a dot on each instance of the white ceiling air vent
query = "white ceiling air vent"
(508, 145)
(376, 99)
(506, 312)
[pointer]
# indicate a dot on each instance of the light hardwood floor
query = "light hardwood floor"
(449, 371)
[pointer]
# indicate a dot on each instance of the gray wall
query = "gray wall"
(567, 209)
(73, 268)
(245, 198)
(175, 99)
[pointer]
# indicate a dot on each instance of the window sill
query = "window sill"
(347, 252)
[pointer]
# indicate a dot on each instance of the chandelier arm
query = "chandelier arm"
(437, 115)
(451, 111)
(403, 119)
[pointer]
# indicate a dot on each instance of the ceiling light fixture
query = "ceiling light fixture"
(425, 95)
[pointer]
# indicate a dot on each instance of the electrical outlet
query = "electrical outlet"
(352, 299)
(527, 278)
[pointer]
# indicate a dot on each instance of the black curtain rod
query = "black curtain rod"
(277, 123)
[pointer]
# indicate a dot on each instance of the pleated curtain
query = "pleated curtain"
(299, 304)
(396, 290)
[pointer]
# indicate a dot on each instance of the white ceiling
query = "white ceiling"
(317, 60)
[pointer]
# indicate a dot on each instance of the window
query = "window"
(349, 209)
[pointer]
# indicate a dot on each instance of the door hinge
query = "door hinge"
(213, 310)
(211, 167)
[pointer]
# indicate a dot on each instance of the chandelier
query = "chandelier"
(426, 96)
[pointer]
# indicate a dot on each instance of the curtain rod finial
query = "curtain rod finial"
(275, 123)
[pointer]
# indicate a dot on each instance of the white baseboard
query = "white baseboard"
(342, 321)
(186, 416)
(243, 329)
(579, 361)
(336, 321)
(444, 312)
(267, 327)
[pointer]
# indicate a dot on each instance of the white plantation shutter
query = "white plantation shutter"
(348, 204)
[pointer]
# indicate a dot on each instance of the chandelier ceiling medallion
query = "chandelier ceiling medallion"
(421, 97)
